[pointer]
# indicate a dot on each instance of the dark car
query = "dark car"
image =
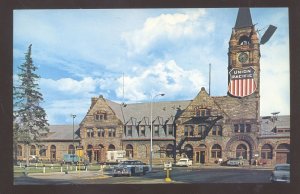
(129, 168)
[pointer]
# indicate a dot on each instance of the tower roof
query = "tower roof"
(243, 18)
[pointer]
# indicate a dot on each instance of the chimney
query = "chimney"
(94, 100)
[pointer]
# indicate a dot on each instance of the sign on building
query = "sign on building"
(242, 82)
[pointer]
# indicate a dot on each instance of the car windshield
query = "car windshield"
(284, 168)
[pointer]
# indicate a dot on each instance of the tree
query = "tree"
(29, 117)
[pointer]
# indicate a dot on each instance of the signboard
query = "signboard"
(242, 82)
(79, 153)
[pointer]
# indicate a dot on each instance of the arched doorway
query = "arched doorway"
(129, 151)
(100, 153)
(283, 153)
(89, 152)
(53, 153)
(111, 147)
(188, 151)
(200, 152)
(241, 151)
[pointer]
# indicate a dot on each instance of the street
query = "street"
(177, 175)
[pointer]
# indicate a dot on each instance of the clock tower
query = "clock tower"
(243, 58)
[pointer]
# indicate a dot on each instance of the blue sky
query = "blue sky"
(84, 53)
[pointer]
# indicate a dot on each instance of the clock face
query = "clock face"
(243, 57)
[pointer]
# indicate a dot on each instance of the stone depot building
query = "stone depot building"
(204, 129)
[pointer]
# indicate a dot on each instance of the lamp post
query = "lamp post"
(73, 116)
(151, 130)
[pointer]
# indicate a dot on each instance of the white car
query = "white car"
(184, 162)
(281, 173)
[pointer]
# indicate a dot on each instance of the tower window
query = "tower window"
(244, 40)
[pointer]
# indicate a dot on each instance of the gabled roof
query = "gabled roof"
(141, 111)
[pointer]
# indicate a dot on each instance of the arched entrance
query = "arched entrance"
(283, 153)
(89, 152)
(100, 153)
(111, 147)
(241, 151)
(53, 153)
(240, 146)
(188, 151)
(129, 151)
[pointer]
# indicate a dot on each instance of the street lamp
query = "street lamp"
(73, 116)
(151, 130)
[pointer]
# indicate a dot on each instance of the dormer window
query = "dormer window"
(202, 112)
(100, 116)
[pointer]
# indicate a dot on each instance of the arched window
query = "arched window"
(266, 152)
(111, 147)
(129, 151)
(216, 151)
(241, 151)
(71, 149)
(53, 152)
(33, 150)
(43, 150)
(283, 146)
(19, 150)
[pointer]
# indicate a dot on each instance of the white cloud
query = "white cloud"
(166, 77)
(59, 111)
(167, 27)
(68, 85)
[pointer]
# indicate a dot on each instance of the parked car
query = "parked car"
(130, 167)
(33, 159)
(235, 162)
(70, 158)
(184, 162)
(281, 173)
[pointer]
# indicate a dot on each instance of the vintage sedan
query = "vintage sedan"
(129, 168)
(184, 162)
(281, 173)
(235, 162)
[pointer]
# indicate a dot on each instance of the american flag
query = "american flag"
(242, 82)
